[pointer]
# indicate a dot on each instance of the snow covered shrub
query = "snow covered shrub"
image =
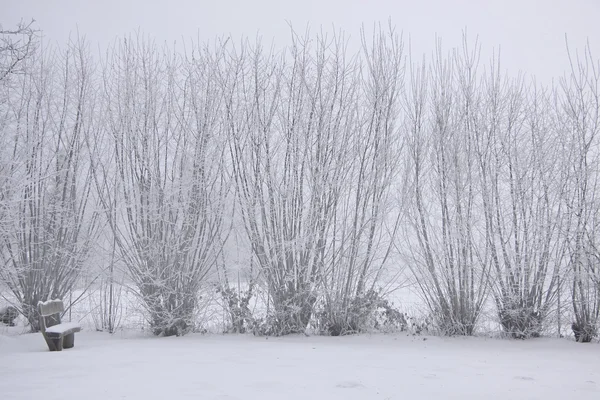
(450, 321)
(286, 317)
(8, 315)
(237, 307)
(265, 326)
(292, 313)
(389, 318)
(106, 306)
(338, 319)
(585, 294)
(236, 293)
(420, 325)
(585, 297)
(519, 320)
(370, 311)
(584, 333)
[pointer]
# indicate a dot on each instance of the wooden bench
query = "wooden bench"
(57, 335)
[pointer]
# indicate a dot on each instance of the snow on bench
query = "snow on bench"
(64, 328)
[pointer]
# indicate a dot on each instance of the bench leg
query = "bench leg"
(59, 343)
(69, 341)
(51, 343)
(55, 344)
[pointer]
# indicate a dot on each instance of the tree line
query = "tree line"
(334, 171)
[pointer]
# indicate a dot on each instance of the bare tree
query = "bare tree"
(289, 120)
(48, 225)
(364, 228)
(163, 121)
(449, 263)
(16, 45)
(107, 300)
(580, 108)
(522, 189)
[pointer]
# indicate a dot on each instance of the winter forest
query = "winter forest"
(311, 188)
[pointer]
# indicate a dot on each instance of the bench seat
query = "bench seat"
(63, 329)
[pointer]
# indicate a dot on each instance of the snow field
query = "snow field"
(132, 366)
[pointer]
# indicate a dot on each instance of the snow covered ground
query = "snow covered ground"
(132, 366)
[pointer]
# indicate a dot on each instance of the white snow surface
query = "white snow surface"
(297, 367)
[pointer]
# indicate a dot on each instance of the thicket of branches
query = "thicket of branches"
(49, 219)
(451, 269)
(578, 111)
(161, 181)
(342, 170)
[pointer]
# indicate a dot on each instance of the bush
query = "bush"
(237, 305)
(170, 314)
(268, 326)
(286, 317)
(450, 321)
(8, 315)
(338, 319)
(389, 318)
(584, 333)
(290, 314)
(521, 322)
(417, 326)
(174, 327)
(368, 311)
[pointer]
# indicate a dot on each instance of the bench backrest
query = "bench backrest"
(51, 307)
(50, 313)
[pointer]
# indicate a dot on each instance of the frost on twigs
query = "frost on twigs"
(286, 317)
(584, 333)
(16, 46)
(363, 314)
(237, 307)
(161, 180)
(48, 216)
(520, 321)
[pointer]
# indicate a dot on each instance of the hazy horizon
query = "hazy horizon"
(530, 33)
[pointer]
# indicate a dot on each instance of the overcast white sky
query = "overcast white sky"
(530, 32)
